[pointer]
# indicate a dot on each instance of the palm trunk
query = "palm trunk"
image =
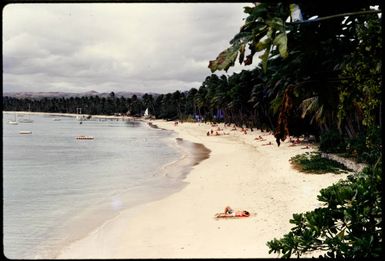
(351, 127)
(348, 131)
(380, 114)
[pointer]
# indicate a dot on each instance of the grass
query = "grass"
(314, 163)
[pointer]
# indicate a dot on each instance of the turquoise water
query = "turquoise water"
(56, 189)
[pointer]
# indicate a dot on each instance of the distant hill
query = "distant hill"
(38, 95)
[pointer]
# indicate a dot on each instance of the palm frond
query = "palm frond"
(309, 105)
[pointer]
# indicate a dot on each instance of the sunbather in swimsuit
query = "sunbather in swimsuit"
(229, 212)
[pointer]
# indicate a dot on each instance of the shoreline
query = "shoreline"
(176, 171)
(242, 173)
(192, 154)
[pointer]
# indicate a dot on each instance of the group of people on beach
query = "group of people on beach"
(215, 130)
(260, 138)
(218, 131)
(242, 130)
(296, 142)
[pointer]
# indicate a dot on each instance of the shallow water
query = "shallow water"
(56, 189)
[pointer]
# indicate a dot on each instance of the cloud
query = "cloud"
(114, 47)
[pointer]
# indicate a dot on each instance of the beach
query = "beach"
(242, 173)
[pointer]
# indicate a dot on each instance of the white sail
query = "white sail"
(13, 122)
(146, 113)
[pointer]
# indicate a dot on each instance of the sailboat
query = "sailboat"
(13, 122)
(146, 114)
(79, 117)
(28, 120)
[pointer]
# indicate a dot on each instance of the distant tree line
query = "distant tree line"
(222, 99)
(91, 105)
(237, 99)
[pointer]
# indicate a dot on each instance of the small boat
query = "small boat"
(25, 132)
(13, 122)
(83, 137)
(56, 119)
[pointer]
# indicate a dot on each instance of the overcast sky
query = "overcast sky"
(144, 47)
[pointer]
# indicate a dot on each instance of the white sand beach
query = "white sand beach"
(242, 173)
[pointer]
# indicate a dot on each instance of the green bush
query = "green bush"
(332, 142)
(356, 148)
(314, 163)
(365, 148)
(349, 225)
(373, 145)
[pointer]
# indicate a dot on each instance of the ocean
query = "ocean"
(57, 189)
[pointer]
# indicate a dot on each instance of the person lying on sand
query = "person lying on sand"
(260, 139)
(297, 141)
(269, 143)
(244, 130)
(230, 213)
(294, 142)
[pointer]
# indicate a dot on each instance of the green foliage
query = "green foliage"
(226, 58)
(373, 144)
(349, 225)
(314, 163)
(332, 142)
(367, 148)
(333, 61)
(361, 74)
(356, 147)
(264, 29)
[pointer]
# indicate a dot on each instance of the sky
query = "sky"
(135, 47)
